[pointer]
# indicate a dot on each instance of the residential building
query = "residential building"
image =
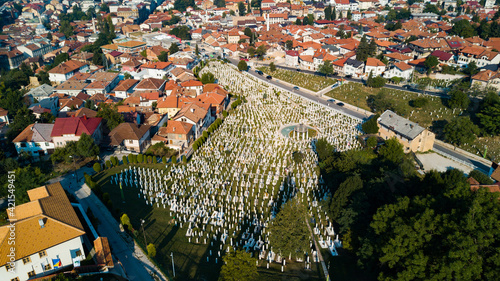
(374, 66)
(195, 115)
(66, 70)
(412, 136)
(71, 129)
(35, 140)
(177, 135)
(399, 69)
(131, 136)
(48, 235)
(354, 67)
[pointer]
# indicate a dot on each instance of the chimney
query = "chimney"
(192, 110)
(41, 223)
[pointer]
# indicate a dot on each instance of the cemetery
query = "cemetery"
(226, 196)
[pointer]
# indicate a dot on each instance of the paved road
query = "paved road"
(309, 96)
(124, 249)
(468, 160)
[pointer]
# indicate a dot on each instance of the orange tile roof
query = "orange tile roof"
(374, 62)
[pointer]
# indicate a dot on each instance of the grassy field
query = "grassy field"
(308, 81)
(434, 115)
(190, 259)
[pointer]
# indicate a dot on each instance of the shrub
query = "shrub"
(108, 164)
(124, 219)
(114, 161)
(154, 160)
(130, 158)
(184, 159)
(140, 158)
(371, 142)
(481, 177)
(106, 197)
(419, 102)
(150, 159)
(97, 167)
(174, 159)
(370, 126)
(224, 113)
(124, 160)
(205, 134)
(195, 146)
(151, 250)
(164, 159)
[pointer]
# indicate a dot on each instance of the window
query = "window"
(37, 144)
(46, 144)
(26, 260)
(8, 266)
(42, 254)
(78, 253)
(31, 274)
(47, 267)
(130, 141)
(15, 279)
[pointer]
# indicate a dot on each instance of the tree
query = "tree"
(326, 68)
(43, 77)
(261, 51)
(237, 266)
(458, 99)
(334, 14)
(362, 52)
(111, 117)
(220, 3)
(241, 9)
(419, 102)
(371, 142)
(207, 78)
(305, 21)
(46, 117)
(460, 130)
(380, 102)
(86, 146)
(164, 56)
(463, 28)
(251, 51)
(489, 114)
(377, 82)
(431, 62)
(298, 22)
(272, 67)
(173, 49)
(181, 5)
(471, 69)
(182, 32)
(328, 12)
(66, 28)
(242, 65)
(392, 151)
(124, 219)
(151, 250)
(174, 159)
(342, 196)
(104, 8)
(289, 44)
(197, 50)
(289, 233)
(22, 119)
(481, 177)
(371, 126)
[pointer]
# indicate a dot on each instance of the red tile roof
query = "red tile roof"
(75, 126)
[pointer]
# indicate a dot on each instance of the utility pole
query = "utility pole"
(142, 224)
(173, 265)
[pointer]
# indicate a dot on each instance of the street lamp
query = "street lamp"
(142, 225)
(173, 266)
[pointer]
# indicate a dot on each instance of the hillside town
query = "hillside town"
(120, 119)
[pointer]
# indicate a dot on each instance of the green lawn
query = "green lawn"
(308, 81)
(434, 115)
(190, 258)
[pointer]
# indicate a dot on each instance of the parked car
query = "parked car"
(340, 104)
(259, 72)
(330, 100)
(296, 88)
(298, 69)
(269, 77)
(348, 76)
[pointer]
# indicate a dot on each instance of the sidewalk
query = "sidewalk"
(465, 153)
(124, 248)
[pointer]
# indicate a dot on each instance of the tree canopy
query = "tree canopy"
(238, 266)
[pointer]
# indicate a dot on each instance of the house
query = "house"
(177, 135)
(66, 70)
(4, 118)
(35, 140)
(50, 104)
(193, 85)
(48, 235)
(71, 128)
(354, 67)
(156, 70)
(71, 87)
(172, 104)
(487, 78)
(412, 136)
(131, 136)
(125, 88)
(443, 57)
(195, 115)
(374, 66)
(399, 69)
(128, 47)
(131, 65)
(151, 84)
(102, 82)
(292, 58)
(39, 93)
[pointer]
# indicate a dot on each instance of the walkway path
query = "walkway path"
(320, 256)
(123, 247)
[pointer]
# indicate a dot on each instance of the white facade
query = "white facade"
(67, 252)
(377, 70)
(34, 148)
(396, 72)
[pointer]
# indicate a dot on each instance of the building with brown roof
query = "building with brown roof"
(131, 136)
(66, 70)
(151, 84)
(48, 236)
(35, 140)
(125, 88)
(195, 115)
(177, 135)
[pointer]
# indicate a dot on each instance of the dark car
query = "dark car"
(296, 88)
(348, 76)
(269, 77)
(340, 104)
(330, 100)
(259, 72)
(298, 69)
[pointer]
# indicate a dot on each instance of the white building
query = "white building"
(399, 69)
(66, 70)
(48, 236)
(374, 66)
